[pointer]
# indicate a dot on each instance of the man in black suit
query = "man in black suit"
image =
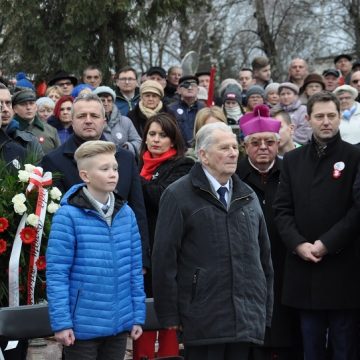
(88, 121)
(317, 214)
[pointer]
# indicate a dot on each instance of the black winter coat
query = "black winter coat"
(9, 149)
(285, 327)
(61, 162)
(212, 270)
(312, 204)
(168, 172)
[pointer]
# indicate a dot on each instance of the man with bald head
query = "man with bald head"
(298, 71)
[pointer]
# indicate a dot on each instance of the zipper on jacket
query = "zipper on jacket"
(194, 284)
(239, 198)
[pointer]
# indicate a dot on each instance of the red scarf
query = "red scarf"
(151, 164)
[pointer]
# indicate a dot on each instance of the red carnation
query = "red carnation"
(4, 224)
(2, 246)
(41, 263)
(28, 235)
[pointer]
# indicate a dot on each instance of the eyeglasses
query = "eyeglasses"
(62, 84)
(188, 84)
(259, 142)
(126, 79)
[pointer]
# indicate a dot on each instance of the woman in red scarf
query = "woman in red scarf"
(162, 161)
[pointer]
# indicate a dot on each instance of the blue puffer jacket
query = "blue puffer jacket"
(94, 271)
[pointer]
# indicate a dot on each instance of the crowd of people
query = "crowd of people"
(238, 214)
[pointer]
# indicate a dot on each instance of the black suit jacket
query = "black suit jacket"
(62, 164)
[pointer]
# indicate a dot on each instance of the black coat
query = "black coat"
(9, 149)
(311, 205)
(285, 328)
(61, 162)
(212, 269)
(168, 172)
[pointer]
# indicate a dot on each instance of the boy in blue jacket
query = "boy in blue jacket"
(94, 268)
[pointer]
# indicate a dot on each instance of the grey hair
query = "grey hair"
(88, 97)
(248, 137)
(204, 137)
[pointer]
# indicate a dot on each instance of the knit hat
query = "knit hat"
(100, 90)
(272, 87)
(258, 121)
(202, 93)
(151, 86)
(224, 84)
(62, 75)
(23, 96)
(60, 102)
(156, 70)
(22, 82)
(313, 78)
(79, 88)
(289, 85)
(45, 101)
(232, 92)
(255, 90)
(354, 93)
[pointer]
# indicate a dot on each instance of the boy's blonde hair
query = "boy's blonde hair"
(92, 148)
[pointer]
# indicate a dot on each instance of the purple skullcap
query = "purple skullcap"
(259, 121)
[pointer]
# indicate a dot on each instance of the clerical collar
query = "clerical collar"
(262, 171)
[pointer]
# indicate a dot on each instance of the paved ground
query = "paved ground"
(52, 351)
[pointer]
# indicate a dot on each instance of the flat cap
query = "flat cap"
(23, 96)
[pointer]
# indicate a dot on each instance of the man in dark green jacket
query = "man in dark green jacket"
(24, 106)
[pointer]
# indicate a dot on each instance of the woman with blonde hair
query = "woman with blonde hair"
(54, 93)
(203, 117)
(208, 115)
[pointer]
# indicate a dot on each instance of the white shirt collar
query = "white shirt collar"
(101, 204)
(214, 183)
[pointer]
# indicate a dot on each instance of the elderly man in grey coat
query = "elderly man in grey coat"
(212, 270)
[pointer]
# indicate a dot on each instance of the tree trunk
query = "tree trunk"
(267, 40)
(354, 12)
(118, 40)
